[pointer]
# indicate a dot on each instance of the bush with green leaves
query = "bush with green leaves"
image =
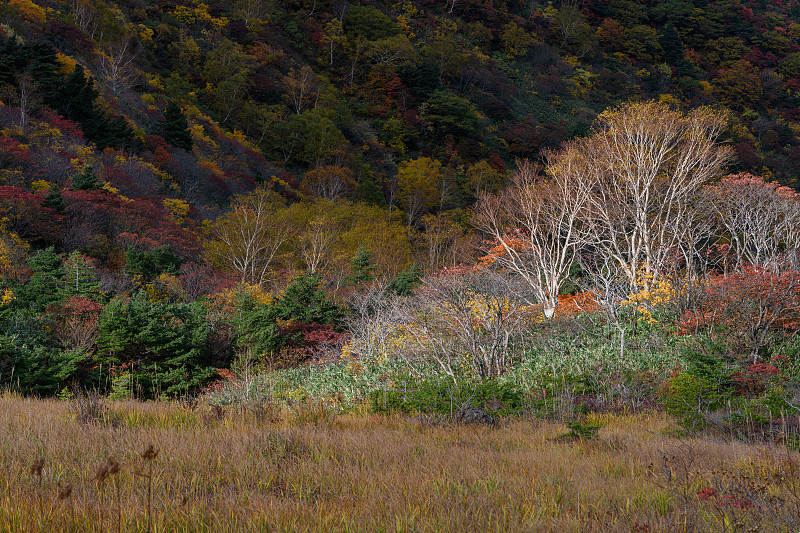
(34, 368)
(576, 345)
(439, 394)
(86, 180)
(348, 384)
(150, 263)
(47, 274)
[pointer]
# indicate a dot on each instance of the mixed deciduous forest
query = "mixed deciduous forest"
(192, 191)
(453, 209)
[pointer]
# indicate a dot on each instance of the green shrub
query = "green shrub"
(689, 398)
(441, 395)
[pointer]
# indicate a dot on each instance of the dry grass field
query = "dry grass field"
(306, 469)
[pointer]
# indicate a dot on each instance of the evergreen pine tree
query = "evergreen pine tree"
(368, 192)
(175, 128)
(80, 278)
(151, 263)
(305, 301)
(42, 289)
(112, 133)
(9, 51)
(361, 267)
(55, 201)
(86, 180)
(77, 98)
(165, 341)
(671, 42)
(406, 280)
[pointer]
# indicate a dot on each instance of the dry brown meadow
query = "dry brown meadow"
(308, 470)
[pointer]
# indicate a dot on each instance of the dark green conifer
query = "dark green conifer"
(77, 97)
(406, 280)
(671, 42)
(175, 128)
(305, 301)
(86, 180)
(361, 267)
(55, 201)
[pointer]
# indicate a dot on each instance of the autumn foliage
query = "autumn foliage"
(748, 309)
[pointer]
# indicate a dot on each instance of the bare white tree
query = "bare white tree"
(760, 219)
(117, 67)
(248, 238)
(329, 182)
(687, 267)
(301, 88)
(85, 16)
(538, 223)
(605, 281)
(24, 93)
(316, 242)
(251, 11)
(374, 322)
(471, 319)
(648, 162)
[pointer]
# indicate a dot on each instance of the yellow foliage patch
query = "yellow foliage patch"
(41, 186)
(177, 208)
(654, 293)
(145, 33)
(7, 297)
(29, 11)
(67, 63)
(191, 15)
(228, 301)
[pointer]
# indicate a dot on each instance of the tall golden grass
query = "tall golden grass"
(220, 471)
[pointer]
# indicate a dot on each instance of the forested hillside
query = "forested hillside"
(186, 186)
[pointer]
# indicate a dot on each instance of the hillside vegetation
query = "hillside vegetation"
(422, 265)
(412, 206)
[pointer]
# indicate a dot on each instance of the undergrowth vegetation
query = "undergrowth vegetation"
(569, 367)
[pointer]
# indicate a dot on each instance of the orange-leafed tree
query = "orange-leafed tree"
(75, 322)
(329, 182)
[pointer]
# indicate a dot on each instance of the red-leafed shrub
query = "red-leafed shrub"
(68, 128)
(76, 322)
(199, 280)
(753, 307)
(100, 213)
(26, 216)
(319, 343)
(755, 378)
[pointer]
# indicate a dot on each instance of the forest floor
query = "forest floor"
(307, 469)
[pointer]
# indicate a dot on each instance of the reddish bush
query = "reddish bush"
(76, 322)
(753, 306)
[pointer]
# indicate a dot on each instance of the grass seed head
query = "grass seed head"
(113, 466)
(150, 453)
(36, 467)
(65, 491)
